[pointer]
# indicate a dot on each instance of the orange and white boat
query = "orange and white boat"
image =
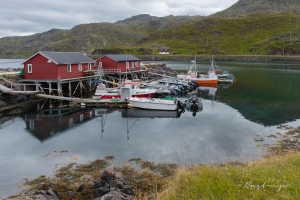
(202, 79)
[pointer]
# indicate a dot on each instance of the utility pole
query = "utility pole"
(152, 54)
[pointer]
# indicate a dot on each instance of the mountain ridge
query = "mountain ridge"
(248, 26)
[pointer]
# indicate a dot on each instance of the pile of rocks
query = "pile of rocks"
(159, 68)
(111, 186)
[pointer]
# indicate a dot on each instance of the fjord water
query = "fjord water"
(233, 126)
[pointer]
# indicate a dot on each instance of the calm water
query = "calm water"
(264, 96)
(12, 63)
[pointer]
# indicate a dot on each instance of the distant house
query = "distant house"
(45, 65)
(164, 50)
(118, 62)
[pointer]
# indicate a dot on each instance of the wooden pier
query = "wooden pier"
(89, 102)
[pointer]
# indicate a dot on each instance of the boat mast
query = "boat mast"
(126, 67)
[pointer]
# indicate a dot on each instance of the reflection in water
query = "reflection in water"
(134, 114)
(208, 92)
(102, 114)
(48, 123)
(142, 113)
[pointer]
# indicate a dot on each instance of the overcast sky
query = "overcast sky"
(20, 17)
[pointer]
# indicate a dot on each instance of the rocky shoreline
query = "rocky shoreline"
(112, 185)
(231, 58)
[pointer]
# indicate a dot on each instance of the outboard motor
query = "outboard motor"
(194, 83)
(179, 105)
(194, 106)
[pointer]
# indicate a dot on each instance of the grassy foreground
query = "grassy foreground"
(276, 177)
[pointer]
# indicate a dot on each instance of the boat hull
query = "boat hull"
(152, 104)
(116, 96)
(207, 82)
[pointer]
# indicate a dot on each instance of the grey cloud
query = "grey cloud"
(36, 16)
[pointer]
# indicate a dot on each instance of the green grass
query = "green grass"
(276, 177)
(228, 35)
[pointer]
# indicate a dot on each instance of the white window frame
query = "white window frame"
(89, 66)
(81, 117)
(29, 68)
(80, 67)
(69, 68)
(132, 64)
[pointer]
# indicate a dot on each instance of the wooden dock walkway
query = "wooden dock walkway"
(88, 102)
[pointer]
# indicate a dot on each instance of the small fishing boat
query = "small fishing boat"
(106, 93)
(223, 77)
(172, 81)
(154, 103)
(128, 89)
(193, 104)
(226, 77)
(201, 79)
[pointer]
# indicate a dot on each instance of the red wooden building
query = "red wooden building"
(118, 62)
(45, 65)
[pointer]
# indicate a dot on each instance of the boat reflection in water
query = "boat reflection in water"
(134, 114)
(143, 113)
(193, 104)
(48, 123)
(102, 114)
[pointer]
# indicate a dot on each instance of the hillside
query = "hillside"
(244, 35)
(257, 27)
(91, 37)
(253, 7)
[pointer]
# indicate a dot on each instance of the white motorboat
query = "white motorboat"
(127, 89)
(154, 103)
(225, 77)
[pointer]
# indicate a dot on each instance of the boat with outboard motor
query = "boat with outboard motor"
(129, 88)
(193, 104)
(223, 76)
(155, 103)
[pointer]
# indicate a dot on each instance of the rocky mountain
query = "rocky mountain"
(91, 37)
(247, 27)
(250, 7)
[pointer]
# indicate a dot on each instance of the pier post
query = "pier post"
(80, 88)
(90, 84)
(50, 89)
(59, 89)
(70, 89)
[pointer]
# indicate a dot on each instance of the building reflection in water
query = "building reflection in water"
(48, 123)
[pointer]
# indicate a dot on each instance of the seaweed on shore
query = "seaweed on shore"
(145, 177)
